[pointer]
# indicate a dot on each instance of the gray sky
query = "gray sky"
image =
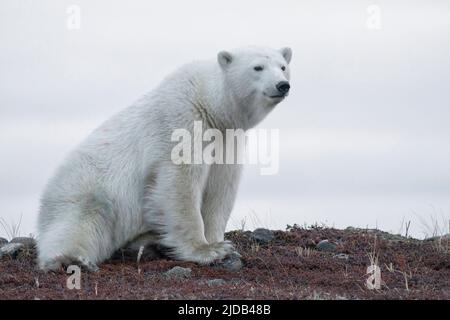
(364, 133)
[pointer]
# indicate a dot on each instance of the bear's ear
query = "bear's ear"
(224, 58)
(286, 53)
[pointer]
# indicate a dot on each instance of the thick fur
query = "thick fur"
(121, 184)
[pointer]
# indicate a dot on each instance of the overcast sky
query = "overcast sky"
(365, 134)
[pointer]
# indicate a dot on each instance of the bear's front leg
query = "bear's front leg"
(218, 199)
(179, 189)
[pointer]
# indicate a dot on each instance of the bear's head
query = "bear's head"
(256, 78)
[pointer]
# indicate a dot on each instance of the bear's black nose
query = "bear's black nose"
(283, 87)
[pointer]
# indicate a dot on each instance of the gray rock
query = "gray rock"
(28, 243)
(262, 236)
(11, 249)
(215, 282)
(326, 245)
(381, 234)
(341, 256)
(179, 272)
(438, 238)
(232, 262)
(3, 241)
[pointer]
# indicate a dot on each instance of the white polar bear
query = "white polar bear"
(120, 184)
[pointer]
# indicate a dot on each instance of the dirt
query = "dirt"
(287, 267)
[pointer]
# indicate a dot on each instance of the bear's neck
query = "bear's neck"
(220, 105)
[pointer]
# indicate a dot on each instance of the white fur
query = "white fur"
(120, 183)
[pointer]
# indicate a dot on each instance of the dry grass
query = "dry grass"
(437, 229)
(303, 251)
(255, 247)
(11, 229)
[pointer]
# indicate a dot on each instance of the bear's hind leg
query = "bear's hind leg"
(84, 236)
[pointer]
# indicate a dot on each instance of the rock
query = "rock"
(11, 249)
(381, 234)
(248, 233)
(3, 241)
(232, 263)
(326, 245)
(341, 256)
(262, 236)
(28, 243)
(179, 272)
(439, 238)
(215, 282)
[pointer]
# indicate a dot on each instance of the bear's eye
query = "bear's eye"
(258, 68)
(283, 68)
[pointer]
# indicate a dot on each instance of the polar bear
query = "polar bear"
(120, 184)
